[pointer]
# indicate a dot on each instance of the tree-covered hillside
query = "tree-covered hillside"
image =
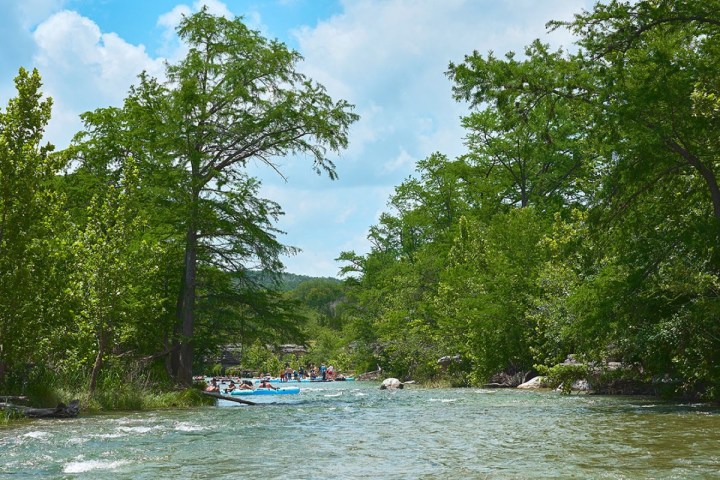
(285, 281)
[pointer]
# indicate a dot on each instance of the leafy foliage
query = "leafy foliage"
(131, 250)
(585, 212)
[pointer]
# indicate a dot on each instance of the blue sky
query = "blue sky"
(387, 57)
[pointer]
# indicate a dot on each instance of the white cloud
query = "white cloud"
(172, 19)
(403, 161)
(83, 68)
(172, 49)
(389, 57)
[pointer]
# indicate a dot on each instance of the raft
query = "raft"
(267, 391)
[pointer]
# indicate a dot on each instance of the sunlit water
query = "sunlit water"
(354, 430)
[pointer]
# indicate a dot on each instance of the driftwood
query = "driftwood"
(61, 411)
(229, 397)
(374, 375)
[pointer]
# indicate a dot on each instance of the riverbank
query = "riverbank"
(115, 400)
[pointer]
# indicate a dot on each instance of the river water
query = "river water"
(352, 430)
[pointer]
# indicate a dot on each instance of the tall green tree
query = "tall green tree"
(115, 306)
(486, 292)
(652, 63)
(239, 98)
(30, 214)
(235, 98)
(658, 219)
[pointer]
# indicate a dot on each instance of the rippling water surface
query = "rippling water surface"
(354, 430)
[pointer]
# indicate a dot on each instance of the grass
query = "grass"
(132, 399)
(125, 400)
(117, 391)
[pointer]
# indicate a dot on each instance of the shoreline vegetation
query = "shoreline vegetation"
(577, 237)
(570, 377)
(567, 378)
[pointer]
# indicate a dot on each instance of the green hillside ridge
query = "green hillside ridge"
(287, 281)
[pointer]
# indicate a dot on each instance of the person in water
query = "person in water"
(231, 386)
(246, 385)
(264, 383)
(213, 387)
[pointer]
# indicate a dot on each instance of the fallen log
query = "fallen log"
(61, 411)
(374, 375)
(229, 397)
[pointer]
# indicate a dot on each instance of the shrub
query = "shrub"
(563, 376)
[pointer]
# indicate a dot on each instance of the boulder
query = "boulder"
(391, 384)
(292, 349)
(506, 380)
(533, 383)
(581, 385)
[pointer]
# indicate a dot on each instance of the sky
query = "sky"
(386, 57)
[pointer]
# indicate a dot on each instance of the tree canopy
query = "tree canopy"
(582, 220)
(585, 214)
(159, 225)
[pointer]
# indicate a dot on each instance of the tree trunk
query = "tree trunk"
(173, 362)
(229, 397)
(187, 311)
(102, 345)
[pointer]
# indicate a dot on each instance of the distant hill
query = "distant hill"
(288, 281)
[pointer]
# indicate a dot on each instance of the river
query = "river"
(352, 430)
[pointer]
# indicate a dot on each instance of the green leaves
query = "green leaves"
(584, 214)
(30, 219)
(527, 136)
(148, 235)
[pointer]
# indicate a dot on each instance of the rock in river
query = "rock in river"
(391, 383)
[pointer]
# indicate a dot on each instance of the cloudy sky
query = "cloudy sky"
(387, 57)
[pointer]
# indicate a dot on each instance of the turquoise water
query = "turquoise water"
(354, 430)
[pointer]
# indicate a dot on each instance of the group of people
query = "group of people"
(313, 373)
(214, 385)
(321, 373)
